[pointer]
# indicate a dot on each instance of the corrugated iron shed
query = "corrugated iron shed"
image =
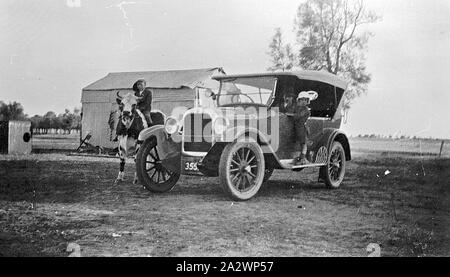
(155, 79)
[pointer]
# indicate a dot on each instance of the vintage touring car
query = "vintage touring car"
(246, 136)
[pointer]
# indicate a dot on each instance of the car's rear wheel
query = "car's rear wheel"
(333, 172)
(241, 169)
(151, 173)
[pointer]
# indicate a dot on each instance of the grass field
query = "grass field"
(54, 142)
(407, 146)
(51, 142)
(398, 199)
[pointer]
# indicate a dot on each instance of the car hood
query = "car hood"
(231, 113)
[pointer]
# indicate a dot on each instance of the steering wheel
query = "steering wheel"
(235, 99)
(239, 98)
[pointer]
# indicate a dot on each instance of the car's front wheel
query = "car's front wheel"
(333, 172)
(241, 169)
(151, 173)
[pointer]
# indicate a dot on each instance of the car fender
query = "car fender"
(329, 135)
(268, 143)
(147, 132)
(169, 148)
(232, 135)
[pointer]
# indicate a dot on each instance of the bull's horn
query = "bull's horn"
(118, 96)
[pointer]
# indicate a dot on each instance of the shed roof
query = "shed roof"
(321, 76)
(155, 79)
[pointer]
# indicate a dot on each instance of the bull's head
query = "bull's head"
(127, 107)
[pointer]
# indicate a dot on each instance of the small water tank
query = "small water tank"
(15, 137)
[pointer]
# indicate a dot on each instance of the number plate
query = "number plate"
(189, 165)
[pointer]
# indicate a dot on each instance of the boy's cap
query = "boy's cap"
(311, 95)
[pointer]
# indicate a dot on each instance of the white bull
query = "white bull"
(131, 123)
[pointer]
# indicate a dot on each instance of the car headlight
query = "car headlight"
(171, 125)
(220, 125)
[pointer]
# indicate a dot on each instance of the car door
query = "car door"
(315, 127)
(286, 145)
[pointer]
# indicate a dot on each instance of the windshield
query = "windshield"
(246, 91)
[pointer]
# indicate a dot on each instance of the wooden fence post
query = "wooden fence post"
(442, 146)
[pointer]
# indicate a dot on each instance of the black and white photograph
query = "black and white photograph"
(219, 129)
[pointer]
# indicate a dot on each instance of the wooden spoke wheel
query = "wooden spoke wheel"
(334, 170)
(241, 170)
(151, 173)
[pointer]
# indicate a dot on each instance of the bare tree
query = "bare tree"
(330, 38)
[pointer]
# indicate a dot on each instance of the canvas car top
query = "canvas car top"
(321, 76)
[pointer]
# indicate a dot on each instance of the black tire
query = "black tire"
(151, 174)
(241, 163)
(267, 174)
(333, 172)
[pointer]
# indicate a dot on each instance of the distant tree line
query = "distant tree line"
(396, 137)
(63, 123)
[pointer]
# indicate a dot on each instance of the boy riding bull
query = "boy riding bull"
(144, 105)
(145, 99)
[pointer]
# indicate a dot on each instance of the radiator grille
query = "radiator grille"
(197, 132)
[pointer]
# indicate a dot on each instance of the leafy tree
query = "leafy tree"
(76, 124)
(11, 111)
(36, 121)
(49, 121)
(65, 120)
(329, 37)
(281, 54)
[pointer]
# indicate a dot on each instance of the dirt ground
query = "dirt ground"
(401, 202)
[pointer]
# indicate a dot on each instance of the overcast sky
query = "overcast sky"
(50, 50)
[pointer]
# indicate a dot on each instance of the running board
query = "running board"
(287, 164)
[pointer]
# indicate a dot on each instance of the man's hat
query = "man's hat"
(311, 95)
